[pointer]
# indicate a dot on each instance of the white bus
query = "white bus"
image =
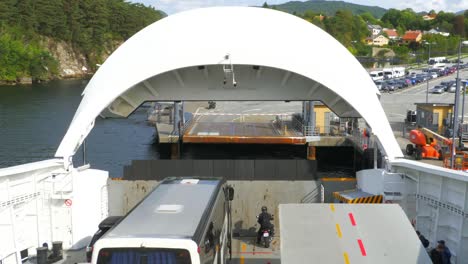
(182, 221)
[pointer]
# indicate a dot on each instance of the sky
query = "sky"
(174, 6)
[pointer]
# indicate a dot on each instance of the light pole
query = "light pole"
(455, 110)
(428, 58)
(462, 43)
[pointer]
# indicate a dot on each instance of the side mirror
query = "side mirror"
(230, 193)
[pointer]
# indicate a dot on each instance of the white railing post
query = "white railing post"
(322, 193)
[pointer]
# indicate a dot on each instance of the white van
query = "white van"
(399, 72)
(388, 73)
(377, 75)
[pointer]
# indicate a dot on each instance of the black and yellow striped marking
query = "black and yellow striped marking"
(369, 199)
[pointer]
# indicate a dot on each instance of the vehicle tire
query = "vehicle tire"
(418, 154)
(410, 149)
(266, 240)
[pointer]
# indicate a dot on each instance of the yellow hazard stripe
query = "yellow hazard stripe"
(346, 258)
(369, 199)
(338, 231)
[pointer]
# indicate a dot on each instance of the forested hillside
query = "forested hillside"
(351, 30)
(89, 26)
(329, 8)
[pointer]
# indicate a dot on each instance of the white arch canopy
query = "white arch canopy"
(275, 55)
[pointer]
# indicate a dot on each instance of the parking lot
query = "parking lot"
(398, 102)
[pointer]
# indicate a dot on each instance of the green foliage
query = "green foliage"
(369, 18)
(351, 30)
(90, 25)
(329, 8)
(348, 29)
(19, 60)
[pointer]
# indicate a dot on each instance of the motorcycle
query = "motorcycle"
(266, 234)
(266, 237)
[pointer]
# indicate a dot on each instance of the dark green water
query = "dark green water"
(33, 120)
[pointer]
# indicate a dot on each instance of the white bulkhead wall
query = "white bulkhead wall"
(40, 203)
(436, 202)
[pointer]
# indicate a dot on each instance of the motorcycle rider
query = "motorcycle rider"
(264, 220)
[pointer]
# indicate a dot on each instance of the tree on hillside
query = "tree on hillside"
(25, 15)
(7, 12)
(369, 18)
(459, 25)
(89, 25)
(340, 26)
(265, 5)
(392, 17)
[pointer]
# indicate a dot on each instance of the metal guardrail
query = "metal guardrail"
(175, 136)
(312, 197)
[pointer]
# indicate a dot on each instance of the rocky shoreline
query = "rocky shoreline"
(30, 81)
(72, 64)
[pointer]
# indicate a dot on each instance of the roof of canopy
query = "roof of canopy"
(320, 66)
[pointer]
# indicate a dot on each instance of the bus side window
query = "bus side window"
(209, 238)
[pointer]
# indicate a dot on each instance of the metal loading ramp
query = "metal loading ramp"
(244, 129)
(349, 234)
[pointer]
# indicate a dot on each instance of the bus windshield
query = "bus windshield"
(143, 256)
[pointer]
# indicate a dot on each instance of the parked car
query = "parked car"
(388, 87)
(442, 72)
(104, 226)
(378, 84)
(438, 89)
(423, 77)
(446, 84)
(395, 84)
(402, 83)
(452, 87)
(418, 79)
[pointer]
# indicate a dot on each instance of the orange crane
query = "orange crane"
(427, 144)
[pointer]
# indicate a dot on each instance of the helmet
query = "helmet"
(264, 209)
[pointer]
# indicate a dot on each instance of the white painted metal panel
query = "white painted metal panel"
(437, 204)
(33, 208)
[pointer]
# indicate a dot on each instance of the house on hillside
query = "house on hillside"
(379, 40)
(391, 33)
(375, 30)
(429, 17)
(435, 31)
(412, 36)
